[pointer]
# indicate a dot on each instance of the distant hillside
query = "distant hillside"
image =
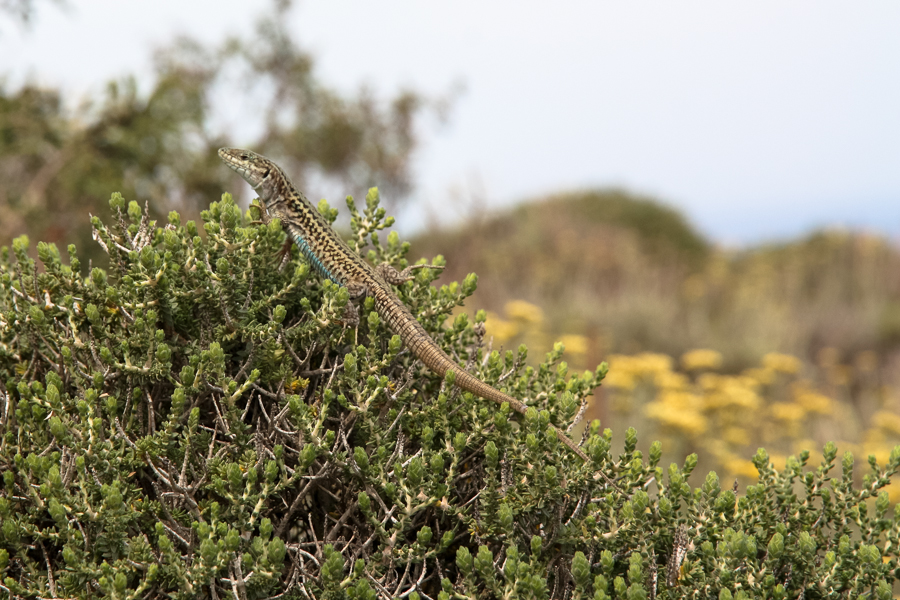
(629, 274)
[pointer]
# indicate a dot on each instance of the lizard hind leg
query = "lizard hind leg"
(350, 318)
(395, 277)
(284, 255)
(351, 312)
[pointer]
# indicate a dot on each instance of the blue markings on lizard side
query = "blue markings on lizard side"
(314, 260)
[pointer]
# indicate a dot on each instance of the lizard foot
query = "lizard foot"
(350, 318)
(395, 277)
(284, 255)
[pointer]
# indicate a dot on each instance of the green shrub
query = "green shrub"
(197, 422)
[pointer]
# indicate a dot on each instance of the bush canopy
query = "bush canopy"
(196, 422)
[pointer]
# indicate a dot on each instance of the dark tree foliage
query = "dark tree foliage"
(194, 422)
(20, 10)
(161, 144)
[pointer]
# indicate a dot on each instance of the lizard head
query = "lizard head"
(255, 168)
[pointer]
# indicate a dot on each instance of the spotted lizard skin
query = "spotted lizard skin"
(333, 259)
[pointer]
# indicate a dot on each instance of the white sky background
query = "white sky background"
(758, 120)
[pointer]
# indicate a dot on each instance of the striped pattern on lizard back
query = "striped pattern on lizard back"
(333, 259)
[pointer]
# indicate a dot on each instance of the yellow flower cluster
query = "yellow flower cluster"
(521, 317)
(631, 370)
(887, 421)
(699, 360)
(782, 363)
(812, 401)
(500, 329)
(575, 344)
(726, 417)
(526, 320)
(678, 409)
(694, 404)
(525, 312)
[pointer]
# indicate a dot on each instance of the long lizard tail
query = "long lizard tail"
(426, 349)
(472, 384)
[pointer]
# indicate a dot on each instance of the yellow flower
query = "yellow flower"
(740, 467)
(787, 411)
(668, 380)
(782, 363)
(618, 361)
(733, 392)
(736, 436)
(678, 410)
(811, 401)
(763, 376)
(575, 344)
(873, 435)
(893, 491)
(631, 369)
(778, 461)
(622, 373)
(501, 330)
(709, 382)
(621, 361)
(748, 383)
(650, 362)
(619, 379)
(519, 310)
(881, 452)
(697, 360)
(887, 420)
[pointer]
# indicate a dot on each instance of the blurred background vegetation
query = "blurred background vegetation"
(711, 350)
(57, 163)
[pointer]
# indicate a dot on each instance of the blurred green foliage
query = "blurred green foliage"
(627, 276)
(661, 229)
(611, 291)
(57, 164)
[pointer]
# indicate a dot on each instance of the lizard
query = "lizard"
(332, 258)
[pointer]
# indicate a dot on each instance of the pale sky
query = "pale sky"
(759, 120)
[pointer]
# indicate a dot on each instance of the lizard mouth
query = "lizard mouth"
(228, 156)
(235, 160)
